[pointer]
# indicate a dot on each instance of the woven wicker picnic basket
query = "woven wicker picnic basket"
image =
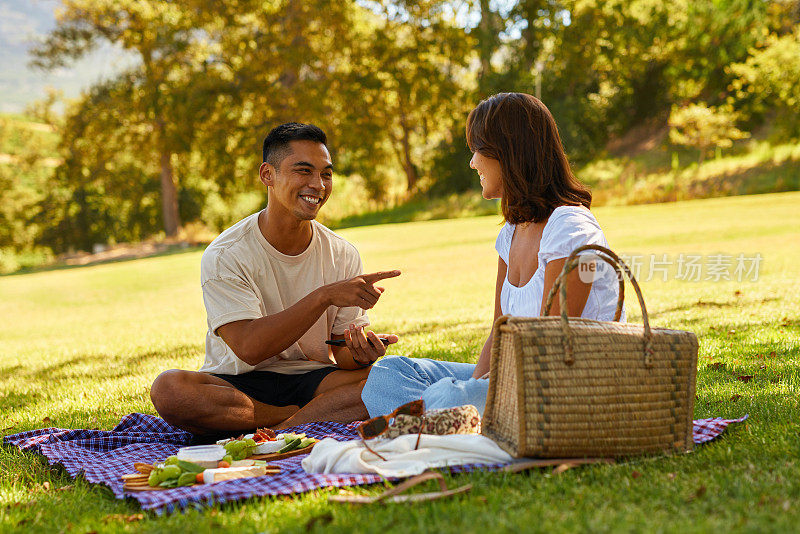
(570, 388)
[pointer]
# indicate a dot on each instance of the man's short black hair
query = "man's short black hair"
(276, 144)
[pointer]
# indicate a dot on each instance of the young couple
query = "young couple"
(278, 284)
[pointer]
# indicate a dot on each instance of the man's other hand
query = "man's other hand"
(358, 291)
(366, 347)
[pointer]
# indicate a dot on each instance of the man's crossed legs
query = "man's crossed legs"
(202, 403)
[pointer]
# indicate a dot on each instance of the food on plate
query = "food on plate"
(296, 441)
(262, 442)
(231, 473)
(239, 449)
(290, 445)
(269, 447)
(264, 434)
(187, 479)
(261, 435)
(207, 456)
(174, 475)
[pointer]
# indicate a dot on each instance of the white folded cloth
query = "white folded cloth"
(331, 456)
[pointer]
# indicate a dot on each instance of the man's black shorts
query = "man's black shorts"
(277, 389)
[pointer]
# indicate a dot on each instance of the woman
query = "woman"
(519, 158)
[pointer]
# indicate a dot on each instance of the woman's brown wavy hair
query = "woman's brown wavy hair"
(518, 130)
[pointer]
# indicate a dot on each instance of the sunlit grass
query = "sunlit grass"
(79, 348)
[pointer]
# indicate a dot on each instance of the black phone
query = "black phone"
(340, 342)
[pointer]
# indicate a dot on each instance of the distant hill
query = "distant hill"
(22, 22)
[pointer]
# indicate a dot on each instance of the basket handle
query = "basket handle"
(559, 280)
(560, 285)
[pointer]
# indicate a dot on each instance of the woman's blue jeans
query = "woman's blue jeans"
(396, 380)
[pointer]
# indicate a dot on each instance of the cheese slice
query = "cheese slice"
(231, 473)
(269, 446)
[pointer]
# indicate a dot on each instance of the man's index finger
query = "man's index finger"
(380, 275)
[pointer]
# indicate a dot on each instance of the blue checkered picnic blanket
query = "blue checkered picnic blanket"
(104, 456)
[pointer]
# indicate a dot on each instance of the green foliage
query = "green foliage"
(176, 138)
(453, 206)
(771, 77)
(450, 169)
(708, 36)
(703, 127)
(754, 167)
(409, 79)
(27, 148)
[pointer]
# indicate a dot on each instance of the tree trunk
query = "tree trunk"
(169, 196)
(531, 34)
(408, 166)
(487, 33)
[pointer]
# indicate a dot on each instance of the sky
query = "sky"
(22, 22)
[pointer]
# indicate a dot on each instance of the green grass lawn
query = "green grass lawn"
(80, 347)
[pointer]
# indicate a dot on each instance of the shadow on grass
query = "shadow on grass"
(104, 366)
(6, 371)
(177, 249)
(710, 305)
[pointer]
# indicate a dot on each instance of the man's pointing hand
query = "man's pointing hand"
(380, 275)
(357, 291)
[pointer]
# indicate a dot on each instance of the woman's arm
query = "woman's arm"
(577, 290)
(486, 353)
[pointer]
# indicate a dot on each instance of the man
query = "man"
(276, 286)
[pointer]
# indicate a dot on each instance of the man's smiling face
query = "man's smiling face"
(303, 180)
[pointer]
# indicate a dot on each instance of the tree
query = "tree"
(771, 77)
(166, 42)
(23, 181)
(409, 77)
(703, 127)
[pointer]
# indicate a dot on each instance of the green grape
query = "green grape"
(154, 478)
(250, 442)
(228, 458)
(169, 472)
(187, 479)
(172, 460)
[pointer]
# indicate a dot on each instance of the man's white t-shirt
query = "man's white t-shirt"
(244, 277)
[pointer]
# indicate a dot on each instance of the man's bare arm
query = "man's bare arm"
(256, 340)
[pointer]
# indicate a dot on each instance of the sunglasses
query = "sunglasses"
(376, 426)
